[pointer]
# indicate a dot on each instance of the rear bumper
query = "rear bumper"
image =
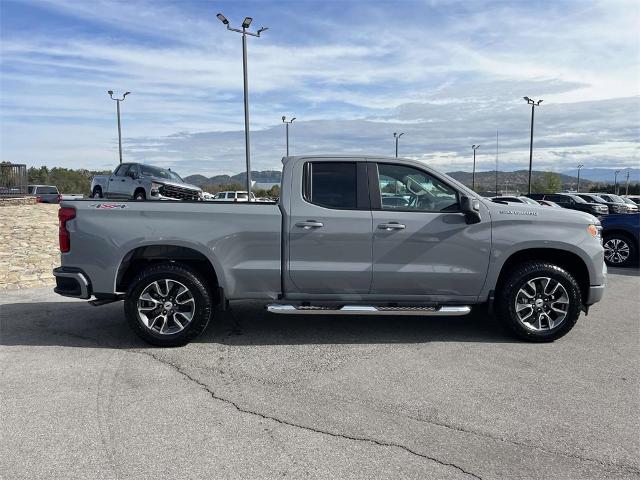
(72, 283)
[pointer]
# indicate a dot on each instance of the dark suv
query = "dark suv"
(614, 207)
(574, 202)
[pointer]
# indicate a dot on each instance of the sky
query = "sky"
(448, 74)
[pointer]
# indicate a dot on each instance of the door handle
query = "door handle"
(309, 224)
(392, 226)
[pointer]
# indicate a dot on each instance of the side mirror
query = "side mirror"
(471, 209)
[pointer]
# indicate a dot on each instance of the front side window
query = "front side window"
(407, 188)
(121, 171)
(331, 184)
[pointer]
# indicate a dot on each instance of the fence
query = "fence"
(13, 180)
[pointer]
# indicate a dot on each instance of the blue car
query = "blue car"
(621, 238)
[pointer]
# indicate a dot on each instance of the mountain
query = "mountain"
(485, 181)
(607, 175)
(260, 176)
(517, 180)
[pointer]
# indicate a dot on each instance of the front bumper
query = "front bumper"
(72, 282)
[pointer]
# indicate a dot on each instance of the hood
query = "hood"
(174, 183)
(538, 212)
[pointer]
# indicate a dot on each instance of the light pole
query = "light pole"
(473, 177)
(245, 24)
(578, 185)
(397, 137)
(626, 193)
(533, 104)
(118, 100)
(615, 181)
(287, 123)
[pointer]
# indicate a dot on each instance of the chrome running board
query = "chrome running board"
(369, 310)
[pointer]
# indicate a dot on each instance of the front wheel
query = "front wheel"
(168, 304)
(140, 195)
(97, 192)
(619, 250)
(539, 302)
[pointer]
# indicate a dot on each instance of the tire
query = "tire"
(97, 193)
(619, 250)
(158, 308)
(514, 302)
(140, 195)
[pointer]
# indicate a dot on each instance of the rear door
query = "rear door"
(423, 246)
(330, 230)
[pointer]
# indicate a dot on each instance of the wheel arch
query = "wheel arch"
(142, 256)
(567, 260)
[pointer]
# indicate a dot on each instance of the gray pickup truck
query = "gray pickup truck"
(139, 181)
(349, 236)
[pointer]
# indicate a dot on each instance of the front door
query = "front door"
(120, 184)
(421, 242)
(330, 230)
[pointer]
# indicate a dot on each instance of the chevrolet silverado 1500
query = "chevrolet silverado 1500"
(349, 236)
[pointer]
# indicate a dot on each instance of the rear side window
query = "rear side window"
(121, 171)
(331, 184)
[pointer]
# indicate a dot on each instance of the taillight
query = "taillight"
(65, 214)
(38, 199)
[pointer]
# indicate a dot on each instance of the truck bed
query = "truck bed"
(242, 240)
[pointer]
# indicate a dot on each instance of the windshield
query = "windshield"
(616, 198)
(577, 198)
(629, 201)
(150, 171)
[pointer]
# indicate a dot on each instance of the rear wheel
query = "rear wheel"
(539, 302)
(168, 304)
(619, 250)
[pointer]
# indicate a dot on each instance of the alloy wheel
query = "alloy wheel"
(541, 304)
(166, 306)
(616, 250)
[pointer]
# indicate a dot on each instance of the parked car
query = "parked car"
(520, 199)
(233, 196)
(45, 193)
(573, 202)
(139, 181)
(609, 197)
(332, 247)
(631, 205)
(612, 206)
(621, 237)
(548, 203)
(634, 198)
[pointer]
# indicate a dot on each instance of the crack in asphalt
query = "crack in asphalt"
(303, 427)
(606, 465)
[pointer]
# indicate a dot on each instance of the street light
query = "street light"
(245, 24)
(118, 100)
(287, 123)
(533, 104)
(578, 185)
(473, 177)
(397, 137)
(615, 181)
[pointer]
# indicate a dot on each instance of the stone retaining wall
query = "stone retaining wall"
(28, 245)
(13, 201)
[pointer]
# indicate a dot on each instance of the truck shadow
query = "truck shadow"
(77, 324)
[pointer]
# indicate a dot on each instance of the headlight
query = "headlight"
(595, 231)
(155, 188)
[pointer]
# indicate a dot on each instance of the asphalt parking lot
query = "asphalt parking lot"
(265, 396)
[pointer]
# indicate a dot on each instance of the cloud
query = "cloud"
(447, 73)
